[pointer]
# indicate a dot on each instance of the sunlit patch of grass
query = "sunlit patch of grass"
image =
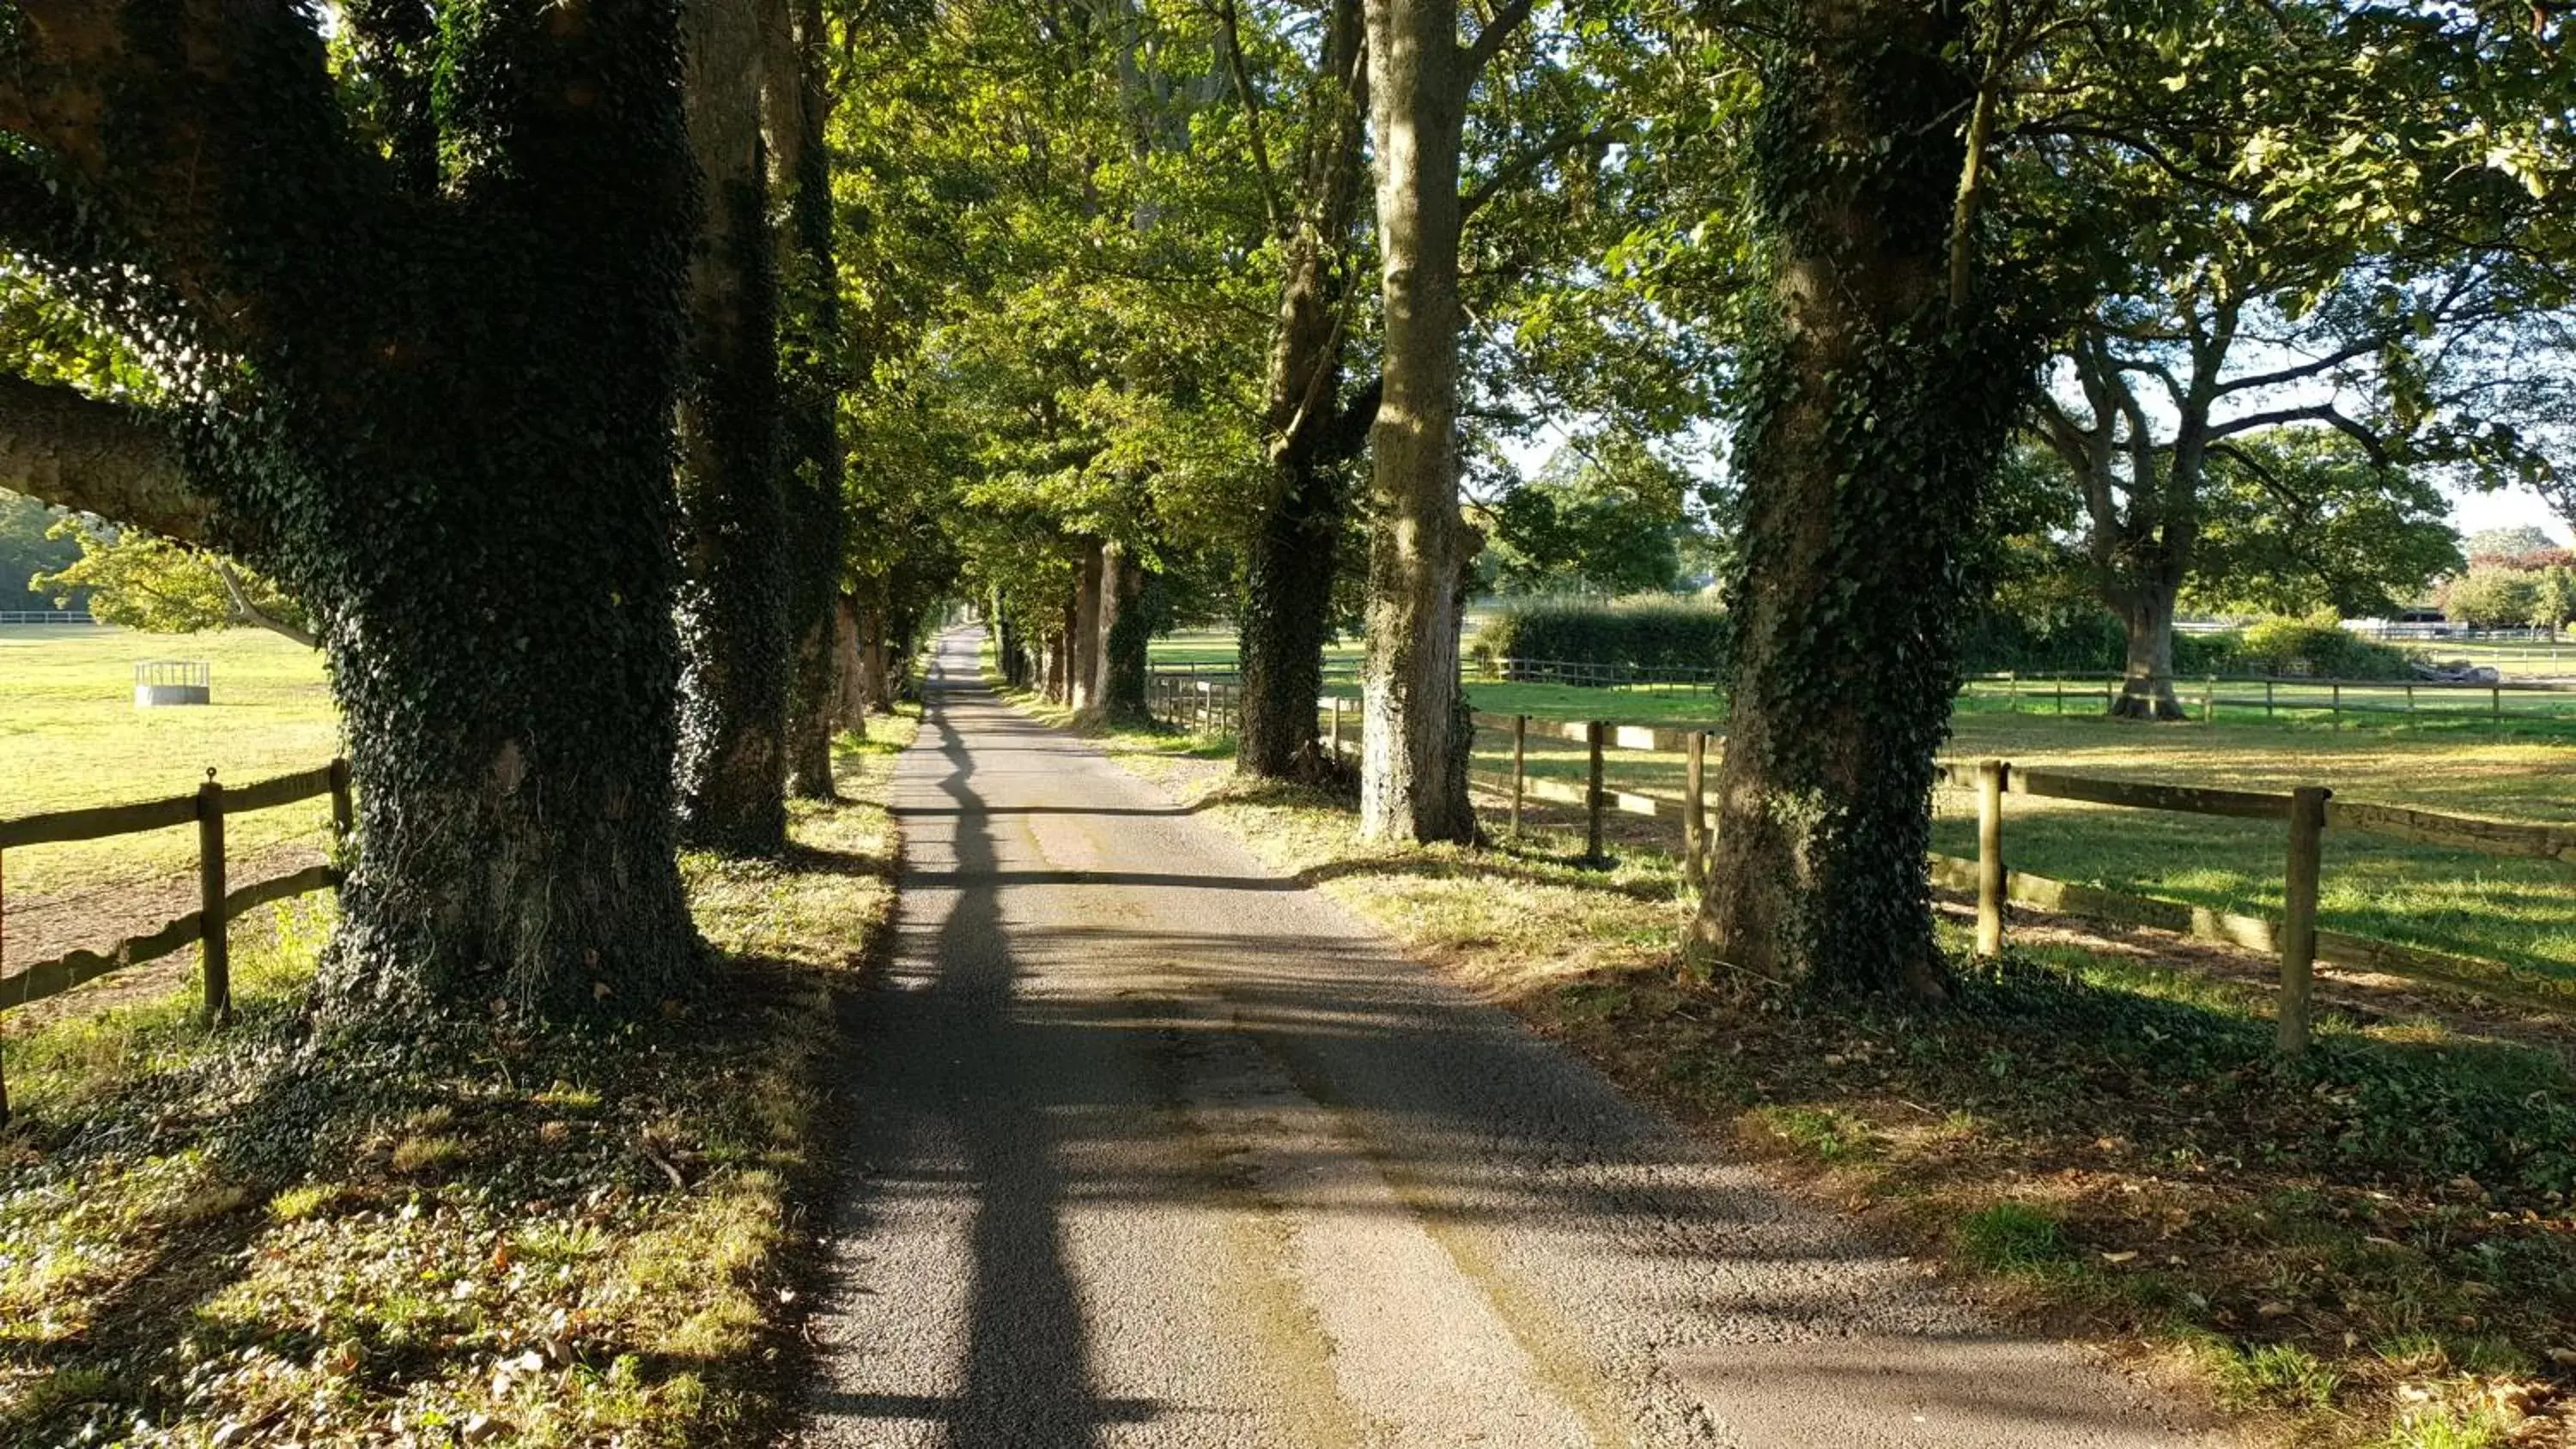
(2011, 1237)
(2271, 1376)
(2446, 1426)
(70, 736)
(1828, 1136)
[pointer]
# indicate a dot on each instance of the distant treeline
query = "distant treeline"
(1685, 633)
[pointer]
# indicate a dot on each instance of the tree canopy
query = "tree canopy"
(624, 385)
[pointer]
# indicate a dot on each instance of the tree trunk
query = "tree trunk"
(1409, 737)
(2146, 677)
(874, 692)
(814, 710)
(1296, 540)
(796, 103)
(458, 451)
(1287, 613)
(734, 632)
(1082, 628)
(1059, 660)
(1006, 651)
(1125, 634)
(1875, 410)
(851, 708)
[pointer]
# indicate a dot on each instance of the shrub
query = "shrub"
(1639, 634)
(2095, 642)
(2318, 646)
(2080, 641)
(2493, 598)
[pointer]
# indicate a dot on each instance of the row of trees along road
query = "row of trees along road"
(520, 343)
(510, 358)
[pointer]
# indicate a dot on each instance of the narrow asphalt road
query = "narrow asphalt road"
(1153, 1146)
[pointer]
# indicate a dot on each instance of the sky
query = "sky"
(2472, 512)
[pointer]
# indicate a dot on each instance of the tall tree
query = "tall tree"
(1413, 780)
(1309, 430)
(796, 100)
(415, 323)
(1879, 387)
(732, 765)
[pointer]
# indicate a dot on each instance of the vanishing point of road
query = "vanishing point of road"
(1153, 1146)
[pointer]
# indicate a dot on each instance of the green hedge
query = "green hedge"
(2092, 643)
(1643, 634)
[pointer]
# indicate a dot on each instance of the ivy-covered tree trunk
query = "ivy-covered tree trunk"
(1060, 658)
(797, 106)
(1296, 538)
(1287, 614)
(1007, 650)
(1418, 81)
(734, 627)
(1876, 408)
(430, 387)
(1126, 634)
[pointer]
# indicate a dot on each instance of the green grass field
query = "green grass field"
(2517, 911)
(70, 736)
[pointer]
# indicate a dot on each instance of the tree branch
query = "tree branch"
(118, 462)
(2325, 413)
(2283, 376)
(1517, 170)
(247, 612)
(1227, 28)
(1489, 41)
(177, 121)
(1351, 425)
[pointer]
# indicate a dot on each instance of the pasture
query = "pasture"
(70, 736)
(2522, 912)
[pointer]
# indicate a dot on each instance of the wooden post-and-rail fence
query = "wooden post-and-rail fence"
(2306, 813)
(218, 903)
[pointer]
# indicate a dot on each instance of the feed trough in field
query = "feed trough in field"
(159, 682)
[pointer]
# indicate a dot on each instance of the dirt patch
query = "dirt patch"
(42, 928)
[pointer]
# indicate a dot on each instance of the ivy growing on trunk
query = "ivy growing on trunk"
(1879, 388)
(418, 342)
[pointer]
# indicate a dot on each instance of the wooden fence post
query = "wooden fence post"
(2209, 699)
(1694, 819)
(216, 948)
(2334, 704)
(1990, 856)
(2299, 913)
(2267, 699)
(1337, 727)
(1592, 797)
(344, 810)
(1520, 770)
(2495, 702)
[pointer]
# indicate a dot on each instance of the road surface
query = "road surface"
(1154, 1147)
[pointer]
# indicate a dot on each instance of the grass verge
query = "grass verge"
(578, 1237)
(2373, 1247)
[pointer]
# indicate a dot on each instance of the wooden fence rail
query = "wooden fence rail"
(218, 903)
(2306, 814)
(2280, 694)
